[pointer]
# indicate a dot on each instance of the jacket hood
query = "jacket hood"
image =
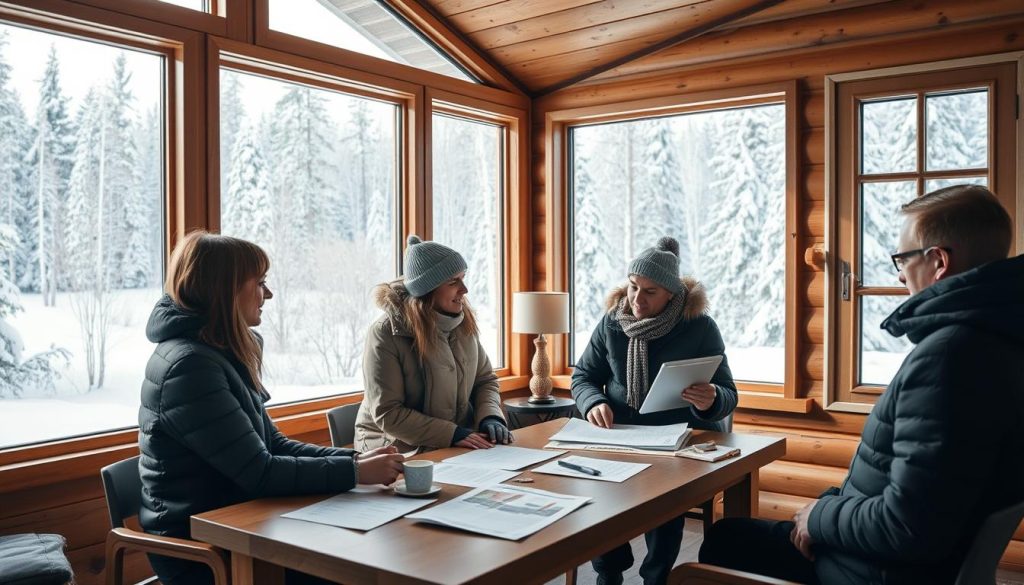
(696, 298)
(390, 297)
(169, 321)
(989, 297)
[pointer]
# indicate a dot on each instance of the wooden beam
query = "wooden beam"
(425, 18)
(669, 42)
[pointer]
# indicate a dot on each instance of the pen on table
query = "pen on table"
(579, 468)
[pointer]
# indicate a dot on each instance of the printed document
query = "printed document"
(503, 457)
(661, 438)
(508, 512)
(362, 508)
(617, 471)
(470, 476)
(673, 377)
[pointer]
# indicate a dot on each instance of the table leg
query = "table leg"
(246, 570)
(570, 577)
(741, 499)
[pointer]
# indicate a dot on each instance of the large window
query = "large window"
(81, 231)
(311, 175)
(714, 180)
(467, 202)
(898, 139)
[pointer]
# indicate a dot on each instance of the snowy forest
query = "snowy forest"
(312, 175)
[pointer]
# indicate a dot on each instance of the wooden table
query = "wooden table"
(407, 552)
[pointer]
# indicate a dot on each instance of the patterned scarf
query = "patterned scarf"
(641, 331)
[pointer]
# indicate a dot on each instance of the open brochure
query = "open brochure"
(673, 377)
(643, 437)
(508, 512)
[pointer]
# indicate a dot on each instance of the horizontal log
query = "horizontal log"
(814, 182)
(813, 147)
(774, 506)
(822, 448)
(813, 112)
(814, 289)
(799, 479)
(814, 219)
(60, 493)
(812, 361)
(813, 331)
(1013, 558)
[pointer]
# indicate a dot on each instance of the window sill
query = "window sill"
(774, 402)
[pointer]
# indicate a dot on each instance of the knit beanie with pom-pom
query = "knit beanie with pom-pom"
(660, 264)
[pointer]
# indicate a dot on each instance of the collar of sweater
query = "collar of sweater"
(448, 323)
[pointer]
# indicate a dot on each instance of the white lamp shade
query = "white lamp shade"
(540, 312)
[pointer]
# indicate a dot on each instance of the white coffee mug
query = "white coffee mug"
(419, 476)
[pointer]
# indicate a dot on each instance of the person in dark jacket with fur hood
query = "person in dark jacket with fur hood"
(428, 381)
(205, 438)
(656, 318)
(941, 449)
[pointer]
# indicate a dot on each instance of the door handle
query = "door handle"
(849, 280)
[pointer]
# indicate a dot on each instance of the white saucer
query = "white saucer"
(399, 488)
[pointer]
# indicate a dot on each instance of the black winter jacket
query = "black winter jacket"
(600, 374)
(942, 448)
(206, 439)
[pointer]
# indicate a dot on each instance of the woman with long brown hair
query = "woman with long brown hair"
(204, 434)
(428, 381)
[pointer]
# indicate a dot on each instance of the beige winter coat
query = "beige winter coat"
(411, 403)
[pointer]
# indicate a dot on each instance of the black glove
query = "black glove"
(460, 433)
(496, 430)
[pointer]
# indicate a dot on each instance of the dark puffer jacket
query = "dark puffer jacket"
(206, 439)
(600, 374)
(942, 448)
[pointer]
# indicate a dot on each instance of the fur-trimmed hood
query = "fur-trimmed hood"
(696, 298)
(389, 297)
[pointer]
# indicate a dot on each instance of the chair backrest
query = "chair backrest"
(982, 559)
(123, 489)
(728, 423)
(341, 420)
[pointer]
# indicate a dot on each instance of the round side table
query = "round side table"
(516, 407)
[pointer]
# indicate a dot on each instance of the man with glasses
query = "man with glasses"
(942, 447)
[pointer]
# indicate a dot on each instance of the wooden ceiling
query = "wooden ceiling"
(550, 44)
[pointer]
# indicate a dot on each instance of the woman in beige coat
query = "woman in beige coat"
(428, 381)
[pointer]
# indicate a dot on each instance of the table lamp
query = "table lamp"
(540, 313)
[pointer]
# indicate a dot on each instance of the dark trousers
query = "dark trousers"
(756, 546)
(662, 549)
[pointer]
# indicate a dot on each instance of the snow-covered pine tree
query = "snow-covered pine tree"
(232, 118)
(246, 210)
(16, 139)
(591, 248)
(658, 206)
(149, 137)
(129, 213)
(958, 130)
(50, 159)
(732, 253)
(38, 372)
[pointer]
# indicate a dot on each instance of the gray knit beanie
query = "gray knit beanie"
(660, 264)
(429, 264)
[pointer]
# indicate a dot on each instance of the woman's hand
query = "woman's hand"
(701, 395)
(383, 468)
(601, 415)
(388, 450)
(475, 441)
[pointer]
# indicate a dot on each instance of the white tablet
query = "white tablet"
(673, 377)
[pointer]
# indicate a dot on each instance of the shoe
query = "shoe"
(609, 579)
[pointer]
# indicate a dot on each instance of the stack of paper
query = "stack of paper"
(509, 512)
(579, 434)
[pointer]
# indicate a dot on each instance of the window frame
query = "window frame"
(196, 51)
(780, 397)
(843, 95)
(515, 213)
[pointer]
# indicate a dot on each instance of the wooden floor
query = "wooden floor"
(692, 537)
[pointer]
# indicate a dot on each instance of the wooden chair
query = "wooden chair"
(123, 489)
(341, 420)
(978, 568)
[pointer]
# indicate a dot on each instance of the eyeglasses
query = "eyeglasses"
(899, 259)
